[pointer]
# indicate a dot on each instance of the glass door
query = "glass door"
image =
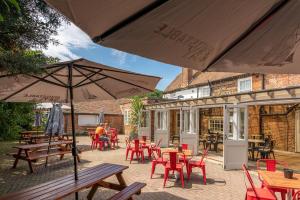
(235, 136)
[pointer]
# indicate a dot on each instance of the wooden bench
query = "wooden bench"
(129, 191)
(91, 177)
(32, 152)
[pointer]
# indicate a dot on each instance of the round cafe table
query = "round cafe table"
(187, 152)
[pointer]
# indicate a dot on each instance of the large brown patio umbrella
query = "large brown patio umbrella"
(258, 36)
(76, 80)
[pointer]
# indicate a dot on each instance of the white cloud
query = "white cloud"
(69, 36)
(120, 56)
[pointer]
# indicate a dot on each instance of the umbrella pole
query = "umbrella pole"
(74, 148)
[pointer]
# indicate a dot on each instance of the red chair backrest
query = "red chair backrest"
(114, 134)
(144, 138)
(296, 195)
(184, 146)
(270, 164)
(250, 180)
(127, 142)
(136, 145)
(173, 160)
(204, 155)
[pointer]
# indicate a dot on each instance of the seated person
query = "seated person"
(106, 128)
(102, 134)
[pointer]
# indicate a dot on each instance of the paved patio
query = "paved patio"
(220, 184)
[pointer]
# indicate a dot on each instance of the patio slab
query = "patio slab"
(220, 184)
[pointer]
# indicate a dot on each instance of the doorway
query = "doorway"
(235, 126)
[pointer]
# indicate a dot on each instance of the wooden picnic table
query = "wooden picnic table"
(31, 152)
(93, 177)
(25, 135)
(35, 139)
(252, 144)
(277, 180)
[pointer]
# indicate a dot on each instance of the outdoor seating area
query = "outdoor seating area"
(149, 100)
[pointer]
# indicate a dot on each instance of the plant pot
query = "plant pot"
(288, 173)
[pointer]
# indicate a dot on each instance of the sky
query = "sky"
(74, 43)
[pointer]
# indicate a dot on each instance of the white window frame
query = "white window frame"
(84, 122)
(126, 116)
(244, 79)
(213, 121)
(161, 120)
(186, 121)
(201, 91)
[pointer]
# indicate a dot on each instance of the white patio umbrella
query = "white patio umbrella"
(76, 80)
(214, 35)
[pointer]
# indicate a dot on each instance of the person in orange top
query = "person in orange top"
(100, 129)
(102, 134)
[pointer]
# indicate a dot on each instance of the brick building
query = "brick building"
(87, 113)
(195, 102)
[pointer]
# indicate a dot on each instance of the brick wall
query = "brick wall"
(114, 121)
(281, 80)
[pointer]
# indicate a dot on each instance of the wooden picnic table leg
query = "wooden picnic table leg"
(121, 179)
(17, 158)
(92, 192)
(29, 161)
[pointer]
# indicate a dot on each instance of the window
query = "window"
(245, 84)
(87, 120)
(204, 91)
(161, 120)
(194, 118)
(186, 121)
(145, 119)
(216, 125)
(126, 117)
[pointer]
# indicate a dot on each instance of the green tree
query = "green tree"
(156, 94)
(15, 117)
(25, 26)
(29, 24)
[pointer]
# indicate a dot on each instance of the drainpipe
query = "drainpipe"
(210, 88)
(263, 84)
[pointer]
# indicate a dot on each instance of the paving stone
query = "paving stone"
(220, 184)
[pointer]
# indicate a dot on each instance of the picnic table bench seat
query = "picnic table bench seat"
(32, 152)
(129, 191)
(67, 185)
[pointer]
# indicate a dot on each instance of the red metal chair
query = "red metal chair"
(173, 165)
(128, 147)
(271, 165)
(183, 158)
(97, 141)
(254, 193)
(146, 146)
(157, 160)
(296, 195)
(184, 146)
(114, 138)
(156, 147)
(200, 164)
(137, 150)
